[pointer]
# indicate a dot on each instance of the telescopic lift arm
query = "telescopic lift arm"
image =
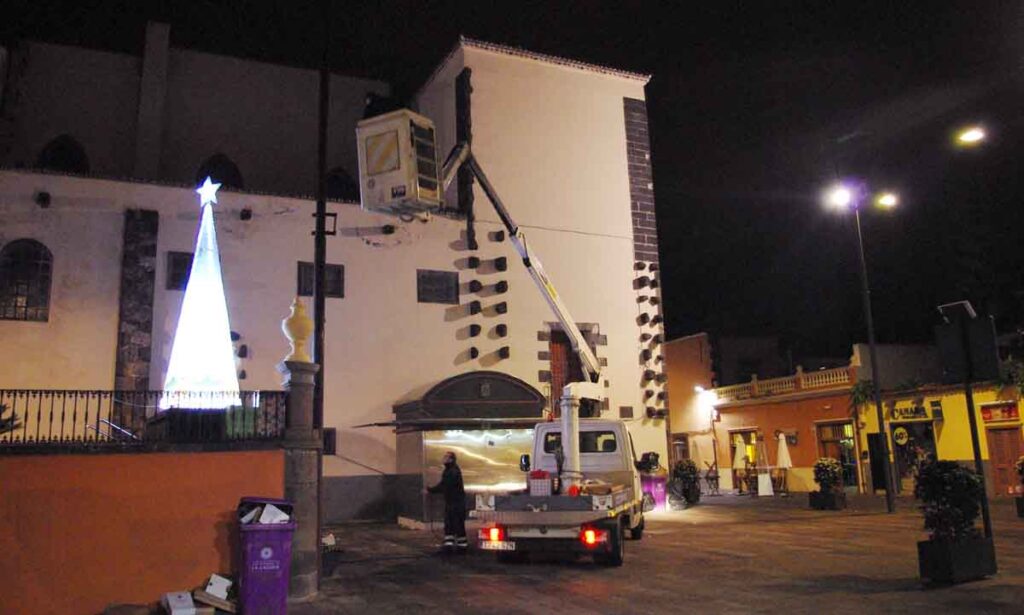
(591, 388)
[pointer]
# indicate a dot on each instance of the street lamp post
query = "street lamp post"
(890, 496)
(844, 197)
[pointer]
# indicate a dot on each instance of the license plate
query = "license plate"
(499, 545)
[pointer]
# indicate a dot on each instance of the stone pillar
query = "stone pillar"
(302, 446)
(302, 449)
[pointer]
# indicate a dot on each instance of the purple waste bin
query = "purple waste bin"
(654, 484)
(265, 565)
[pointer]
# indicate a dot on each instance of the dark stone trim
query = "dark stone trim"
(135, 303)
(464, 133)
(641, 187)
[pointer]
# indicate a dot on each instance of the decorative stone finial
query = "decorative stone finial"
(297, 328)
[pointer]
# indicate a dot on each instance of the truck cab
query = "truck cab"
(606, 451)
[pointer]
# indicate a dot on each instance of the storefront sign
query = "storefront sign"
(909, 412)
(1007, 411)
(900, 436)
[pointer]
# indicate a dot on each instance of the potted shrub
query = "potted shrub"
(950, 497)
(686, 481)
(1020, 488)
(829, 476)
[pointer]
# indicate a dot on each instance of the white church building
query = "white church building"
(436, 337)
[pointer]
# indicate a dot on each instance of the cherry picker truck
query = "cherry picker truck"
(597, 495)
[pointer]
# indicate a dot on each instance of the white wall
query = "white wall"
(551, 139)
(91, 95)
(262, 116)
(76, 348)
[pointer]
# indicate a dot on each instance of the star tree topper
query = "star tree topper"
(207, 192)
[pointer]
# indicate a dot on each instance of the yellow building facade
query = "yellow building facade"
(933, 420)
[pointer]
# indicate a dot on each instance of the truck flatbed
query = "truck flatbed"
(553, 510)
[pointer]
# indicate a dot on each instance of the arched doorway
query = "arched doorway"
(486, 417)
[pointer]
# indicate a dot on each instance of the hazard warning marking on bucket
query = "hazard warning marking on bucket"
(382, 152)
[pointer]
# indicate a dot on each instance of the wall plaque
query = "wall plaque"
(437, 286)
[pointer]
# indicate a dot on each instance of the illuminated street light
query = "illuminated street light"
(888, 200)
(970, 136)
(842, 196)
(839, 196)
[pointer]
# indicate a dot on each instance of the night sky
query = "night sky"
(755, 108)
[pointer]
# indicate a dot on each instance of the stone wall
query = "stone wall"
(135, 309)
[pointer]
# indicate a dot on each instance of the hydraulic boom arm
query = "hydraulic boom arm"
(592, 388)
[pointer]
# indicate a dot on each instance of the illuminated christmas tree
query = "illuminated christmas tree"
(202, 358)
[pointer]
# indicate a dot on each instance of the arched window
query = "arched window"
(222, 170)
(26, 268)
(64, 154)
(341, 186)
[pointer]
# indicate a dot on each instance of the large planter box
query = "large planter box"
(828, 500)
(1020, 507)
(956, 562)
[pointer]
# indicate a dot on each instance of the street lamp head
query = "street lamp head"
(888, 200)
(970, 136)
(840, 196)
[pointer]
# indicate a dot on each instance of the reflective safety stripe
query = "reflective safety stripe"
(462, 541)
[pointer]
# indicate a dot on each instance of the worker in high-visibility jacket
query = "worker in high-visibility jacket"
(454, 504)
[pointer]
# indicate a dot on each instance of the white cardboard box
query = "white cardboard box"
(179, 603)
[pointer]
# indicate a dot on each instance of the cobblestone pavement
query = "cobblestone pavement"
(727, 555)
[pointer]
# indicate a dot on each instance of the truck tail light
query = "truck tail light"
(492, 534)
(591, 536)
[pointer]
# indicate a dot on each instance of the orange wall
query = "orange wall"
(797, 415)
(688, 364)
(79, 532)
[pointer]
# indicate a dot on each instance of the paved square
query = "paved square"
(727, 555)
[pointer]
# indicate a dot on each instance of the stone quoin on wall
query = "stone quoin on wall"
(645, 252)
(135, 312)
(641, 181)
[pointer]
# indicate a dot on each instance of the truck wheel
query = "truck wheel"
(636, 533)
(616, 547)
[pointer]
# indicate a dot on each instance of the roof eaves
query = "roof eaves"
(531, 55)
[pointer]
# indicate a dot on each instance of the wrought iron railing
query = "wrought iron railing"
(34, 417)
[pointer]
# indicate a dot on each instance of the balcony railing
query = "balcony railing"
(823, 379)
(112, 419)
